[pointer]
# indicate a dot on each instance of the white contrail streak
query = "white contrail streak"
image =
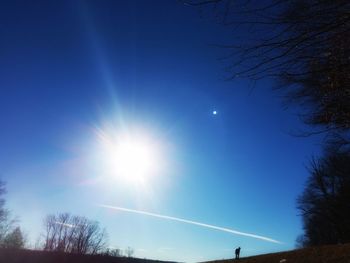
(64, 224)
(191, 222)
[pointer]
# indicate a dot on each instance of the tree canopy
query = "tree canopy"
(303, 44)
(73, 234)
(324, 204)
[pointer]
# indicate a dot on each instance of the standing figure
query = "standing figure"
(237, 251)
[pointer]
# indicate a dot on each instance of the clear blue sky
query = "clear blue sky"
(71, 70)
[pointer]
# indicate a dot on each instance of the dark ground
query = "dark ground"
(32, 256)
(322, 254)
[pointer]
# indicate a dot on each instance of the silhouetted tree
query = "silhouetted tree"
(73, 234)
(7, 223)
(14, 239)
(305, 44)
(129, 252)
(3, 211)
(325, 202)
(114, 252)
(301, 241)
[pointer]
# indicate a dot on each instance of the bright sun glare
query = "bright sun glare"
(129, 158)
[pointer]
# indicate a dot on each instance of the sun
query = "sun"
(133, 159)
(129, 157)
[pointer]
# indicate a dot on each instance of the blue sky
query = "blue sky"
(72, 69)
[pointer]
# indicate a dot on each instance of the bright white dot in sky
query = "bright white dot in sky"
(215, 112)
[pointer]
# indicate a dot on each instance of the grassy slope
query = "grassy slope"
(32, 256)
(322, 254)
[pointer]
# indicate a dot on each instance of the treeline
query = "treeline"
(62, 232)
(73, 234)
(11, 235)
(325, 202)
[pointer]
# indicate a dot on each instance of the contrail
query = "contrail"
(235, 232)
(64, 224)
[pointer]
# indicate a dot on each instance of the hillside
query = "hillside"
(322, 254)
(32, 256)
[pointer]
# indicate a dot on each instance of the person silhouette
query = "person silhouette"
(237, 252)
